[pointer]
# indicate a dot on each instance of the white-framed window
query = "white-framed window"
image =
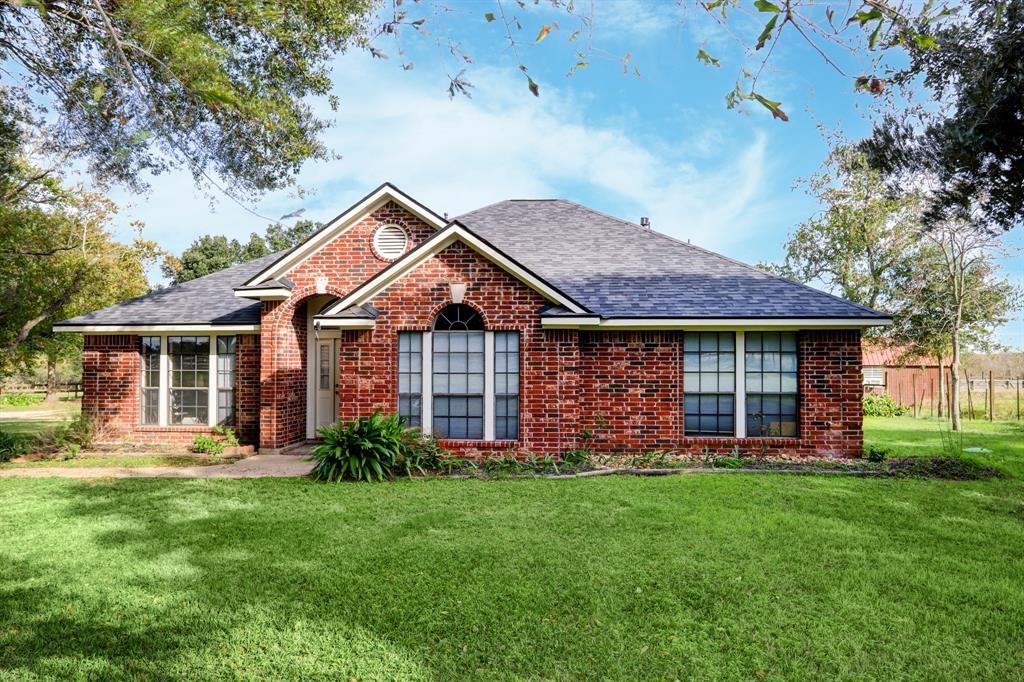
(149, 412)
(227, 364)
(874, 376)
(770, 368)
(187, 379)
(709, 383)
(189, 368)
(460, 381)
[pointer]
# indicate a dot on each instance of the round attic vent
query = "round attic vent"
(390, 241)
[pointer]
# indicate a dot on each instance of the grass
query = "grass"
(44, 416)
(907, 436)
(690, 577)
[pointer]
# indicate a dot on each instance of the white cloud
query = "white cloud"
(461, 154)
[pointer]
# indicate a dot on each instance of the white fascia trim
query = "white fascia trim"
(342, 223)
(156, 328)
(265, 294)
(568, 322)
(344, 323)
(432, 247)
(712, 324)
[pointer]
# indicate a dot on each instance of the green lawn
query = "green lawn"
(708, 576)
(39, 418)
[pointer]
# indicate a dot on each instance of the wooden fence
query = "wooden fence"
(982, 396)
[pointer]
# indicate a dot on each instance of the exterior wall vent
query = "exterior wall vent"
(390, 241)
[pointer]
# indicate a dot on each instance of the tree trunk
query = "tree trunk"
(51, 379)
(942, 389)
(954, 391)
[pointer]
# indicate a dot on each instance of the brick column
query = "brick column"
(110, 381)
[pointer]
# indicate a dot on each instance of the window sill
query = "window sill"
(155, 428)
(770, 440)
(459, 441)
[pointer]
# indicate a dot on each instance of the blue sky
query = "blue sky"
(661, 145)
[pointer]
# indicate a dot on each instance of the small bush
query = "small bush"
(207, 445)
(20, 399)
(79, 431)
(577, 457)
(372, 449)
(950, 468)
(875, 453)
(227, 434)
(882, 405)
(15, 445)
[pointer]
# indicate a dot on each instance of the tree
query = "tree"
(955, 297)
(222, 89)
(212, 253)
(860, 245)
(972, 144)
(57, 258)
(875, 247)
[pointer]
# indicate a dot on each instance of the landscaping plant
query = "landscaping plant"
(882, 405)
(20, 399)
(208, 445)
(14, 445)
(372, 448)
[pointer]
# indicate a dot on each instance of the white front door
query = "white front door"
(326, 381)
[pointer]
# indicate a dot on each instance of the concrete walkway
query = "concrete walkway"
(257, 466)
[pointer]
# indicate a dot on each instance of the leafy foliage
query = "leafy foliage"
(209, 253)
(969, 146)
(876, 453)
(137, 86)
(208, 445)
(20, 399)
(14, 445)
(861, 245)
(57, 257)
(372, 448)
(882, 405)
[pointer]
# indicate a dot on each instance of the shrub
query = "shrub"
(882, 405)
(227, 434)
(79, 431)
(875, 453)
(207, 445)
(20, 399)
(14, 445)
(371, 449)
(577, 457)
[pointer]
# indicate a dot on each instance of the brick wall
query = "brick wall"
(247, 388)
(632, 399)
(110, 381)
(368, 360)
(346, 261)
(111, 368)
(631, 389)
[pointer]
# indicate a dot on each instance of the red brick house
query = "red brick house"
(538, 325)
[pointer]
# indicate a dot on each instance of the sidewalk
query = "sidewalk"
(257, 466)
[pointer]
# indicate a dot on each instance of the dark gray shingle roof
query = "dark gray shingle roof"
(204, 300)
(618, 269)
(610, 266)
